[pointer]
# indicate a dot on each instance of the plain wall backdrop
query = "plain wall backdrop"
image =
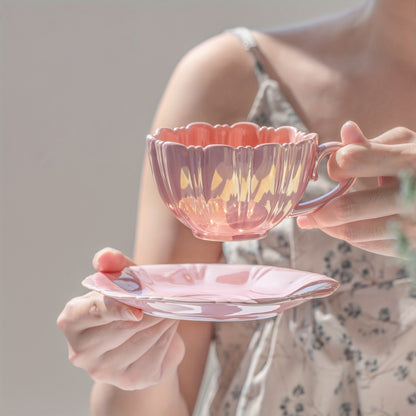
(80, 81)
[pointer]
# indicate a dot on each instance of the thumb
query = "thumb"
(353, 139)
(110, 260)
(352, 134)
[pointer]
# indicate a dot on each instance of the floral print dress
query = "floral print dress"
(352, 354)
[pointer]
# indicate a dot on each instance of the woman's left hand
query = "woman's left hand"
(364, 216)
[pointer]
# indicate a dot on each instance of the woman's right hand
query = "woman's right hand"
(117, 344)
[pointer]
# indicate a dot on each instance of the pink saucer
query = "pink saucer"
(211, 292)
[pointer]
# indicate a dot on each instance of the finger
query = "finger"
(376, 160)
(94, 309)
(382, 247)
(137, 345)
(355, 206)
(137, 371)
(397, 135)
(106, 360)
(155, 361)
(107, 337)
(376, 229)
(352, 134)
(110, 260)
(388, 181)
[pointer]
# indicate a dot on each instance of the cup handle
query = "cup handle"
(342, 187)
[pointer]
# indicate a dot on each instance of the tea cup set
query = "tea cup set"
(227, 183)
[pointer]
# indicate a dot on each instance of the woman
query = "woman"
(351, 354)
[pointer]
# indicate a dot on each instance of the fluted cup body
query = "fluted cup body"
(231, 182)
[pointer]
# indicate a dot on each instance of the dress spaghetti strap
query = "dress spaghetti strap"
(250, 45)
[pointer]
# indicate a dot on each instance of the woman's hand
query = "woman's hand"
(117, 344)
(363, 217)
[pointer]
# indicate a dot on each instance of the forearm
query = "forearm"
(162, 399)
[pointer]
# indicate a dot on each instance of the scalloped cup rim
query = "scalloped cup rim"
(211, 146)
(305, 136)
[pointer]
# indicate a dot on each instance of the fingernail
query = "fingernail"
(109, 260)
(132, 314)
(304, 221)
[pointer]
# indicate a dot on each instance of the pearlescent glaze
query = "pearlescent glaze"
(236, 182)
(211, 292)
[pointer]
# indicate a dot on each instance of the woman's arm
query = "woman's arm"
(214, 83)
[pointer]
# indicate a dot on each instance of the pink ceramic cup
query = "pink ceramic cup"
(237, 182)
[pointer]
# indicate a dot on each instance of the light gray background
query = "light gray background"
(80, 81)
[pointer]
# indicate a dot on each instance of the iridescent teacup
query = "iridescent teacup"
(237, 182)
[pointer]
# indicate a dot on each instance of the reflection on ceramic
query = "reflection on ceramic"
(211, 292)
(237, 182)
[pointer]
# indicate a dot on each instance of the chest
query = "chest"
(377, 101)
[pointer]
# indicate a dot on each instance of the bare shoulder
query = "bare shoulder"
(215, 80)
